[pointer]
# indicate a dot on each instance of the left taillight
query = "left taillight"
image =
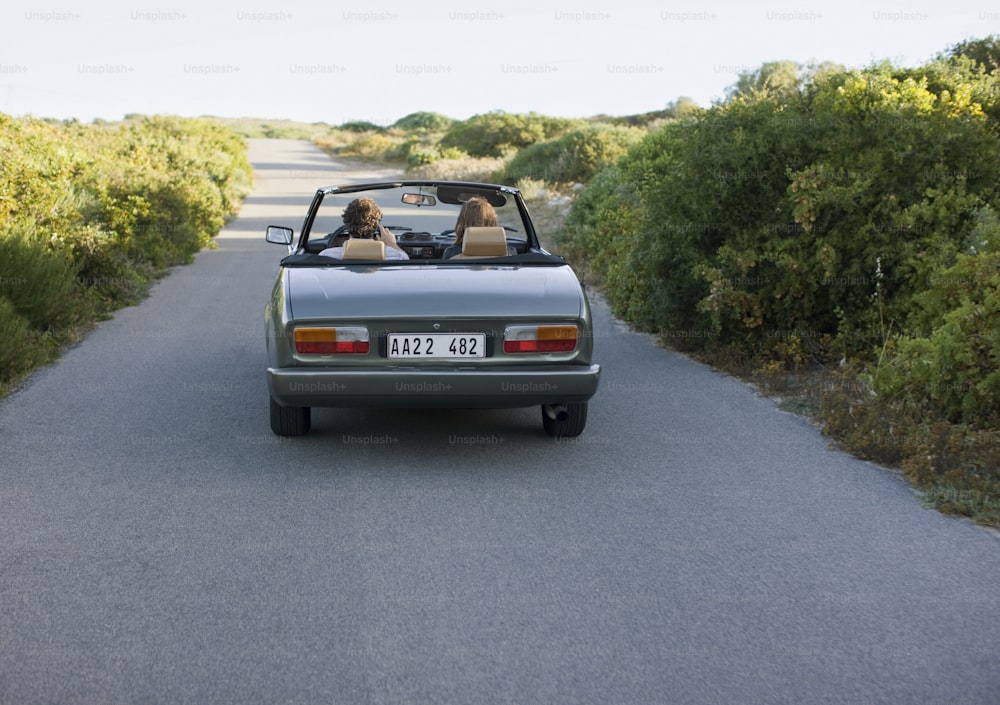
(330, 340)
(539, 339)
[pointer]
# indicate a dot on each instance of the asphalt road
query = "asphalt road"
(696, 545)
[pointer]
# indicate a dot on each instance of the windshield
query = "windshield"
(422, 217)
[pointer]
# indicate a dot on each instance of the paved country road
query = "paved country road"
(696, 545)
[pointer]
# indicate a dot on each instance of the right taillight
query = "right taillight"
(539, 339)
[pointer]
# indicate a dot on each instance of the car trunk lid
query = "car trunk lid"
(433, 291)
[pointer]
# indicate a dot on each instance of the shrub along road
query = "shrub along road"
(695, 545)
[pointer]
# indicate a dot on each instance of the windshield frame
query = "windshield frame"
(333, 199)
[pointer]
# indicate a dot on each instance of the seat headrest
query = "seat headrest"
(364, 249)
(484, 241)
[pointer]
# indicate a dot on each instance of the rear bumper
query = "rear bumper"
(429, 388)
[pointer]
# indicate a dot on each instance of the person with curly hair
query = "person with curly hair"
(362, 219)
(475, 212)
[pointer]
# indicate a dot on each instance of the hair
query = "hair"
(475, 212)
(362, 217)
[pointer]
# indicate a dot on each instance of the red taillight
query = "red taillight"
(334, 348)
(331, 341)
(539, 339)
(526, 346)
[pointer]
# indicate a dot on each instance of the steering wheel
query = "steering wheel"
(342, 231)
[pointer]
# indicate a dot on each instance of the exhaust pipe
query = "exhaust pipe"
(556, 412)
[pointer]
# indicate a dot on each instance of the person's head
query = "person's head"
(475, 212)
(362, 217)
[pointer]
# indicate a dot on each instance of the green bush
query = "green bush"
(36, 171)
(575, 157)
(644, 256)
(497, 133)
(110, 276)
(16, 353)
(414, 150)
(948, 367)
(763, 217)
(849, 222)
(360, 126)
(39, 282)
(41, 304)
(163, 186)
(89, 215)
(423, 121)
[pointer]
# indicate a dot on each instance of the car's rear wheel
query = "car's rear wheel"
(565, 419)
(289, 420)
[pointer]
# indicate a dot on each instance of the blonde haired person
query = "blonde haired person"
(475, 212)
(362, 219)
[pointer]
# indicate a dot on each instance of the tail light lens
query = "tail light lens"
(539, 339)
(329, 340)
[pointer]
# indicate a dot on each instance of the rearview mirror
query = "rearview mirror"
(419, 199)
(278, 235)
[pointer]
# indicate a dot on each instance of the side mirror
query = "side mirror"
(278, 235)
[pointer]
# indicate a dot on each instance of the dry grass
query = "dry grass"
(482, 169)
(548, 209)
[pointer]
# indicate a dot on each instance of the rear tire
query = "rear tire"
(290, 420)
(572, 425)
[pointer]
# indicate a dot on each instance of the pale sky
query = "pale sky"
(378, 61)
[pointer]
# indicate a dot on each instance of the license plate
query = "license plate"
(437, 345)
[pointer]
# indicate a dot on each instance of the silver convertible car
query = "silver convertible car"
(496, 322)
